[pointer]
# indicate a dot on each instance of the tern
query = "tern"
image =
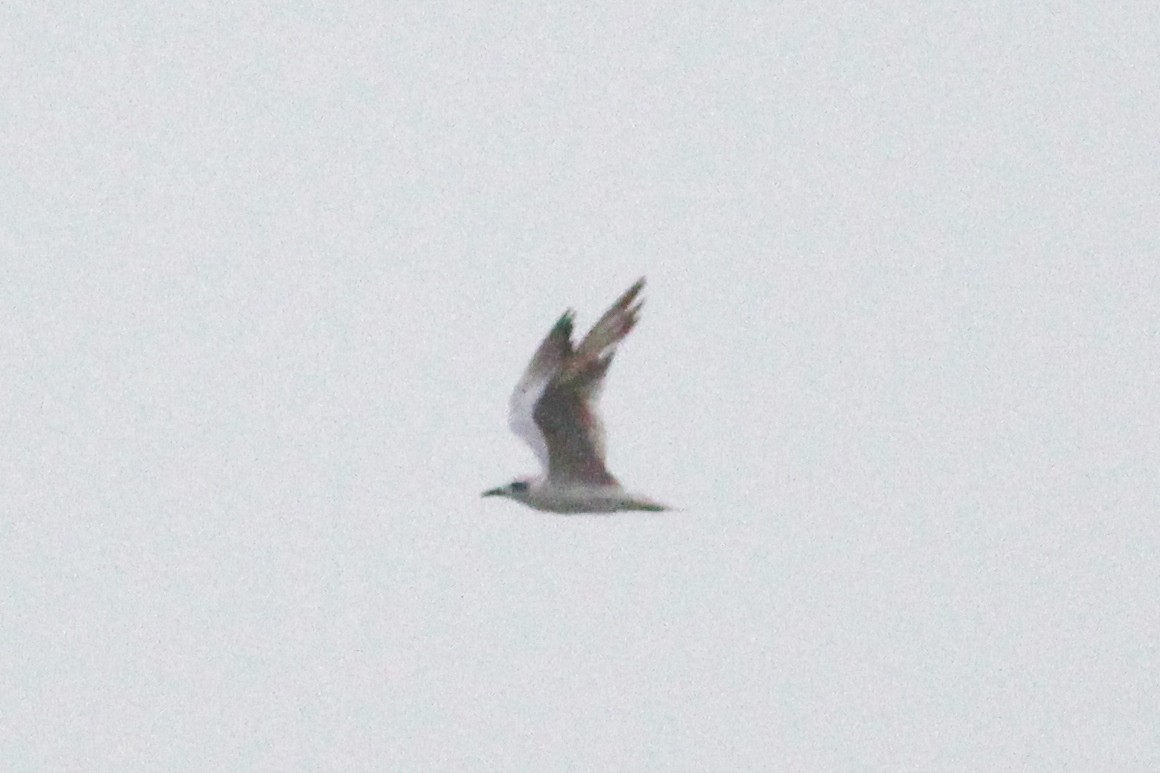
(553, 409)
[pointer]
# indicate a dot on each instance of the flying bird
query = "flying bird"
(553, 409)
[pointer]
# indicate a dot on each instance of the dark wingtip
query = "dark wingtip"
(628, 305)
(563, 325)
(632, 292)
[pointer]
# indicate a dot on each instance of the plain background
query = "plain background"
(269, 275)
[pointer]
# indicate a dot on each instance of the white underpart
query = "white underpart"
(556, 498)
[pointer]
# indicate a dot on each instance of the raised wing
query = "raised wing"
(549, 358)
(565, 410)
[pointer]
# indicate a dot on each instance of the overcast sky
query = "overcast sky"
(269, 276)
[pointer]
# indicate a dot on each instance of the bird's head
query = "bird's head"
(517, 489)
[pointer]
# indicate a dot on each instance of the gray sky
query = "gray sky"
(270, 275)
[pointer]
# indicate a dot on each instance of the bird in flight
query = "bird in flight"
(553, 409)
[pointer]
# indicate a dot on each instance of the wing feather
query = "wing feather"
(550, 356)
(566, 412)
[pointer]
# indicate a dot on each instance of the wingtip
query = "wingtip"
(627, 304)
(564, 323)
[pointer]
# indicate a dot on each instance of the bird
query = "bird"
(553, 410)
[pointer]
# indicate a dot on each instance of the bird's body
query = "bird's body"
(542, 494)
(553, 408)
